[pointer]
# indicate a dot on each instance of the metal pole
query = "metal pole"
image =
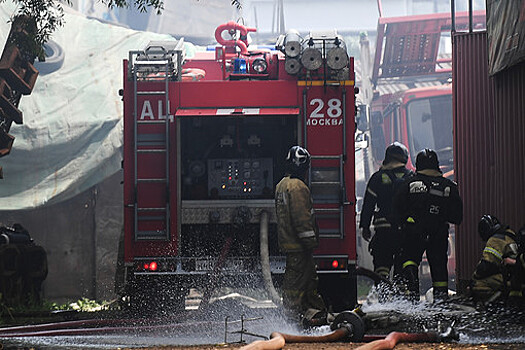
(380, 8)
(470, 16)
(453, 15)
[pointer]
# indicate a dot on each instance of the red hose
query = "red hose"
(46, 331)
(63, 325)
(241, 43)
(394, 338)
(337, 335)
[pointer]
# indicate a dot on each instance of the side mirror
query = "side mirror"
(363, 117)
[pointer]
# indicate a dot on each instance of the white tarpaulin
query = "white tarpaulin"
(71, 138)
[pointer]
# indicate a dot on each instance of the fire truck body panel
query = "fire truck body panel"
(202, 158)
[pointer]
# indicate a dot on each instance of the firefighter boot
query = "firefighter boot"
(440, 293)
(410, 274)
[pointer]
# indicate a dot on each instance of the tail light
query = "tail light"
(150, 266)
(331, 264)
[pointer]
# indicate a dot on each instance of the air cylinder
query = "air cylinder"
(336, 55)
(292, 66)
(292, 43)
(312, 58)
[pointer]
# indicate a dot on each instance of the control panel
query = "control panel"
(238, 178)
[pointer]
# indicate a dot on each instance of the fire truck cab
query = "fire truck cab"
(204, 146)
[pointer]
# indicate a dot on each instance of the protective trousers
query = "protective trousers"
(434, 240)
(300, 283)
(384, 248)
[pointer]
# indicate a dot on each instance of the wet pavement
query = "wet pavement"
(478, 328)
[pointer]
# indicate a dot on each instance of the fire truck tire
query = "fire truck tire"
(54, 58)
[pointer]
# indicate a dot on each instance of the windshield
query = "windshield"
(430, 126)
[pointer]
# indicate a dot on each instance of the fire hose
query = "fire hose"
(394, 338)
(278, 340)
(348, 326)
(265, 260)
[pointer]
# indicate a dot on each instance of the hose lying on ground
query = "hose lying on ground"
(394, 338)
(277, 340)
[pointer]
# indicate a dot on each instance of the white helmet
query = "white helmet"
(298, 159)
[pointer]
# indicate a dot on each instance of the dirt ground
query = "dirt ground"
(350, 346)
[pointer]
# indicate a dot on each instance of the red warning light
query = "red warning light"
(153, 266)
(146, 266)
(335, 264)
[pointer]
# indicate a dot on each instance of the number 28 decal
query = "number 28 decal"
(333, 108)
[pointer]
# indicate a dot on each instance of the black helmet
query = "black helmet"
(427, 159)
(487, 226)
(297, 160)
(396, 151)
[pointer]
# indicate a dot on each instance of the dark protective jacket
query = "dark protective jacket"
(490, 277)
(297, 230)
(428, 199)
(379, 193)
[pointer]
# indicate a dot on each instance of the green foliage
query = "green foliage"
(141, 5)
(45, 17)
(88, 305)
(49, 16)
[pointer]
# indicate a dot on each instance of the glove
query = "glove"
(366, 234)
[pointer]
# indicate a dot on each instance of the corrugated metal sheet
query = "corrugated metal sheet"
(489, 117)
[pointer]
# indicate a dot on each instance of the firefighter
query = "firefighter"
(424, 206)
(298, 236)
(498, 275)
(379, 192)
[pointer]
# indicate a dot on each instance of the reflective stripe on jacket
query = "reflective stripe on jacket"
(499, 246)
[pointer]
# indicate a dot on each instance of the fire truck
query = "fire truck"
(411, 78)
(204, 145)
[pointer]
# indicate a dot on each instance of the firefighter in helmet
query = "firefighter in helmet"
(498, 275)
(377, 203)
(424, 206)
(298, 236)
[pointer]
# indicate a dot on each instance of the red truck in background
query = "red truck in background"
(204, 144)
(407, 95)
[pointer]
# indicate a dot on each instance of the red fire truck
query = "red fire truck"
(411, 73)
(204, 144)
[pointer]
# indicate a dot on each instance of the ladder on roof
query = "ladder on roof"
(159, 65)
(327, 185)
